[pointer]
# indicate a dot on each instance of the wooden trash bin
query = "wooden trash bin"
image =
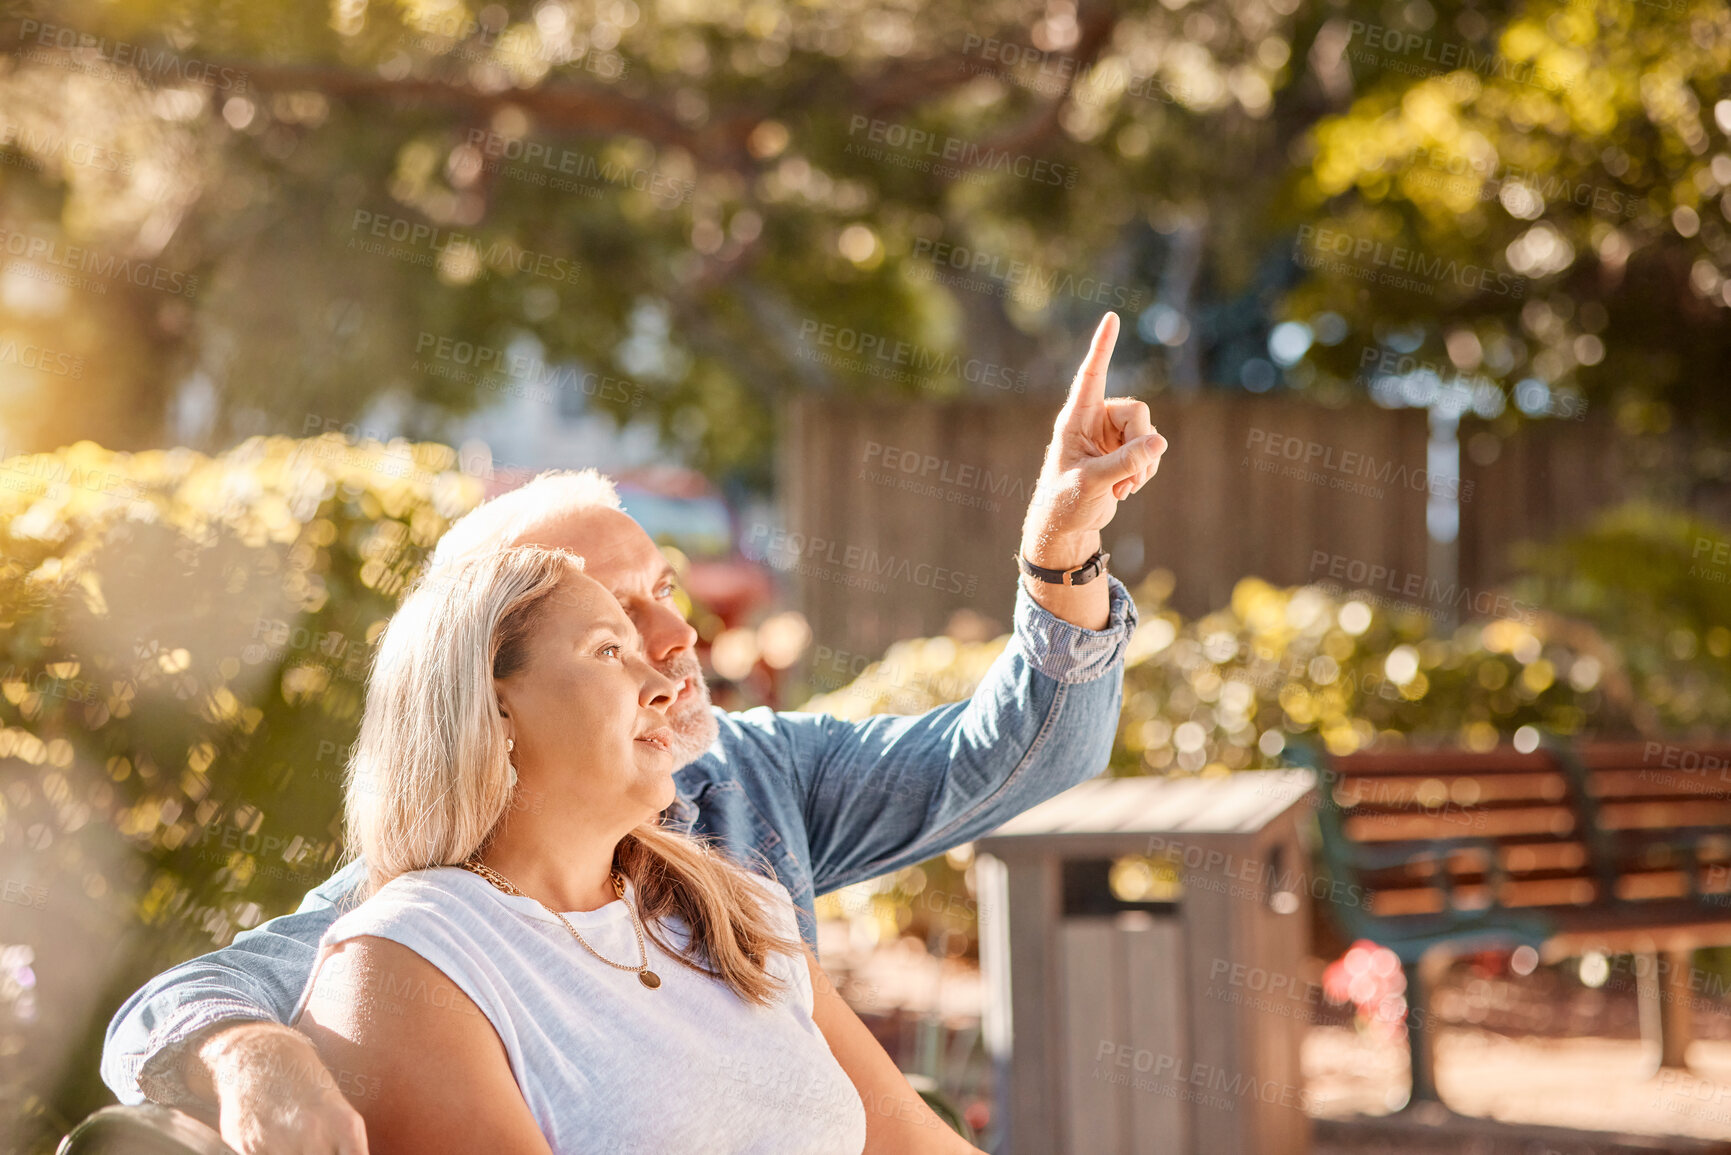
(1164, 1020)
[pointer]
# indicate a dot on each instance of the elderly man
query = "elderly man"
(825, 802)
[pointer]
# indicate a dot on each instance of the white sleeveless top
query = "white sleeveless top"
(606, 1064)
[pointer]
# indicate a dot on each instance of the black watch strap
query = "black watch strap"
(1081, 575)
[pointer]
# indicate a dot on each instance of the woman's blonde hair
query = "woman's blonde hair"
(429, 779)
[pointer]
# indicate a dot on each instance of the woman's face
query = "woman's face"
(588, 713)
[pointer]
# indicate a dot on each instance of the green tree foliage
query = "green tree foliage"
(317, 199)
(1550, 193)
(1658, 582)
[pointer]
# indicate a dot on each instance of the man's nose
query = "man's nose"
(665, 631)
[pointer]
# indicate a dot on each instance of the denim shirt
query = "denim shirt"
(821, 801)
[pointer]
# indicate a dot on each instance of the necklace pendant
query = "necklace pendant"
(649, 978)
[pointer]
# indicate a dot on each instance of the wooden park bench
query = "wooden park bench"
(1623, 848)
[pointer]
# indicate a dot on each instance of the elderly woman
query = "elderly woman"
(539, 966)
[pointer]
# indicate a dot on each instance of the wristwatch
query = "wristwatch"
(1081, 575)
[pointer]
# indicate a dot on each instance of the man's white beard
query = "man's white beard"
(693, 724)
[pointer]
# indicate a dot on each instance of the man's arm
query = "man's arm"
(893, 790)
(209, 1032)
(889, 792)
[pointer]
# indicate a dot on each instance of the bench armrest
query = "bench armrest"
(145, 1129)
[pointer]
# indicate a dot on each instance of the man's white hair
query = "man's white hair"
(499, 521)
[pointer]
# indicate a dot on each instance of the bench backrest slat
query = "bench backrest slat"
(1594, 825)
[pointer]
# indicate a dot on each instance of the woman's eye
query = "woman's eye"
(611, 649)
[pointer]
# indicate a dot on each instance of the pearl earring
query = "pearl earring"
(510, 745)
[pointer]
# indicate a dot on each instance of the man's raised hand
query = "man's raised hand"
(1103, 449)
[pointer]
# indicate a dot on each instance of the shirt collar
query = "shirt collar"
(681, 815)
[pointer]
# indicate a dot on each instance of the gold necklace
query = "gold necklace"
(644, 975)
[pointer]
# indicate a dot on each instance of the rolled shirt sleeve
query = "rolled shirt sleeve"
(1066, 652)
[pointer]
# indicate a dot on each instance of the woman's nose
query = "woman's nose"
(658, 689)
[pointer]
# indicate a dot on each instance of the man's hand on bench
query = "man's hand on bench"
(270, 1093)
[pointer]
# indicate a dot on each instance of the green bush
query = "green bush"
(186, 643)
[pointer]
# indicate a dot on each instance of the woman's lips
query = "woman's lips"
(661, 739)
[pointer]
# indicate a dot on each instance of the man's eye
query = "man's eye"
(665, 591)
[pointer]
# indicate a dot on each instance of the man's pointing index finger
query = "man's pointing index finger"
(1089, 388)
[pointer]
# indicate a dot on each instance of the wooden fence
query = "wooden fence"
(1547, 478)
(897, 516)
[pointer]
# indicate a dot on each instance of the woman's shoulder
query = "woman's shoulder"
(771, 894)
(436, 894)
